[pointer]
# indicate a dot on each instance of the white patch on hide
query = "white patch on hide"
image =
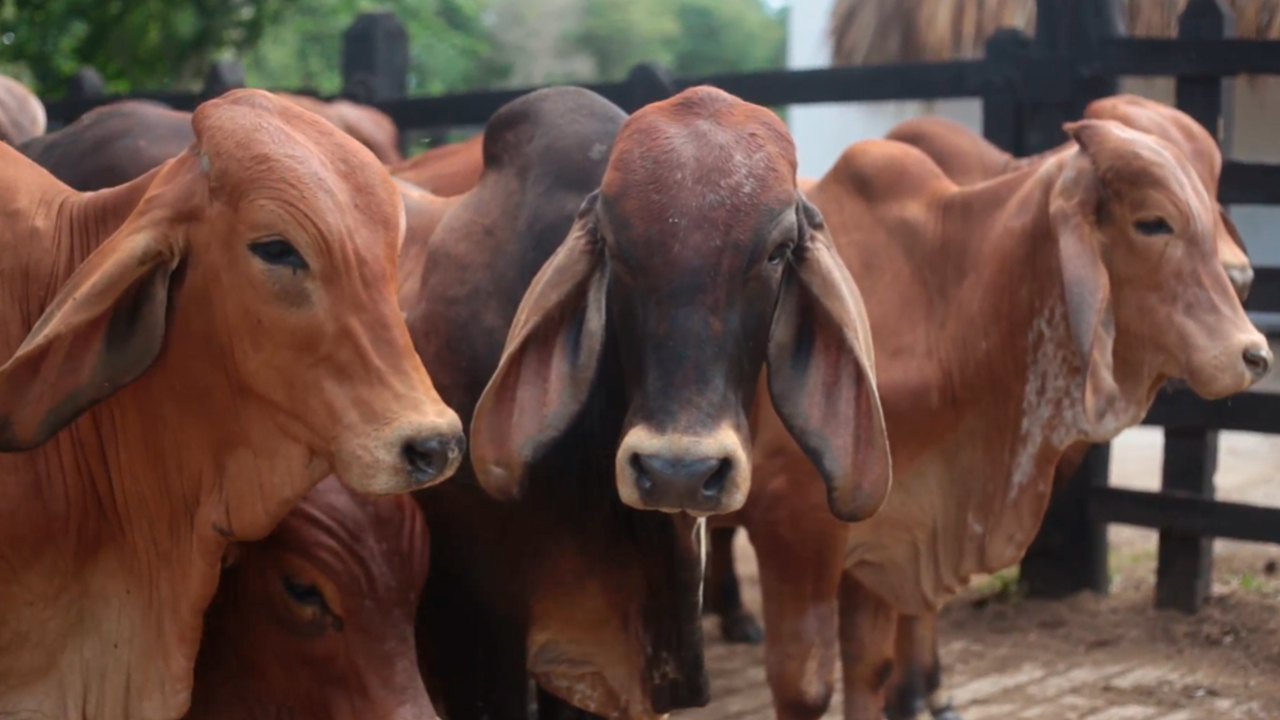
(1052, 396)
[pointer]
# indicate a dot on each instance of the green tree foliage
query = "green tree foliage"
(133, 43)
(692, 37)
(454, 44)
(448, 45)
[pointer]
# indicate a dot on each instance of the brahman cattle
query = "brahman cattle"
(112, 144)
(1012, 320)
(189, 354)
(624, 385)
(370, 126)
(316, 620)
(448, 170)
(967, 158)
(22, 114)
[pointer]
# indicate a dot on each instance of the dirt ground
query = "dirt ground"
(1090, 657)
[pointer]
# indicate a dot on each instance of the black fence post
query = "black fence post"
(1070, 552)
(86, 84)
(648, 83)
(222, 76)
(1184, 572)
(1002, 109)
(375, 58)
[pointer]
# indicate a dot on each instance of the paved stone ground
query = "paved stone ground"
(1091, 658)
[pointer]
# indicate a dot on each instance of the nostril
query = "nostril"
(427, 457)
(714, 485)
(1258, 361)
(644, 482)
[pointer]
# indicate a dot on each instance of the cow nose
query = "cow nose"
(427, 458)
(690, 483)
(1258, 360)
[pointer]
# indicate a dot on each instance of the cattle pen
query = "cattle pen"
(1029, 86)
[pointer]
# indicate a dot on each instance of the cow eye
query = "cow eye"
(1153, 226)
(304, 594)
(780, 253)
(278, 251)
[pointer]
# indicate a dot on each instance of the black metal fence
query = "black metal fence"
(1029, 88)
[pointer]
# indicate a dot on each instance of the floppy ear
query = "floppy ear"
(102, 330)
(548, 364)
(1074, 211)
(822, 374)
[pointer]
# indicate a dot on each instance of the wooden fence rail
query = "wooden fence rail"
(1029, 88)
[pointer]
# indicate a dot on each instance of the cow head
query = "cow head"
(1147, 299)
(318, 617)
(701, 257)
(261, 262)
(1201, 150)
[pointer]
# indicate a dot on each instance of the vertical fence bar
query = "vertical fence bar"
(1185, 566)
(648, 83)
(1070, 552)
(375, 58)
(223, 75)
(1002, 110)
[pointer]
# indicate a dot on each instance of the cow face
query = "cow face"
(318, 617)
(1201, 150)
(701, 257)
(260, 260)
(1147, 299)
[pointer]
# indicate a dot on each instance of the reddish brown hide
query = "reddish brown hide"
(22, 114)
(368, 125)
(967, 158)
(118, 142)
(1013, 319)
(316, 620)
(178, 377)
(446, 171)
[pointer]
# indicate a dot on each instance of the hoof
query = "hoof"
(741, 628)
(945, 712)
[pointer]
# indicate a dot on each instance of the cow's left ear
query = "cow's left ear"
(822, 373)
(101, 332)
(1074, 211)
(549, 362)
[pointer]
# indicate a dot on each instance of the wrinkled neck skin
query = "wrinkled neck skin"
(112, 532)
(981, 399)
(615, 625)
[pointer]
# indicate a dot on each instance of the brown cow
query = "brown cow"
(22, 114)
(316, 620)
(112, 144)
(967, 158)
(448, 170)
(189, 354)
(370, 126)
(624, 384)
(1012, 320)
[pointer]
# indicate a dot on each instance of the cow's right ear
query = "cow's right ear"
(101, 332)
(549, 362)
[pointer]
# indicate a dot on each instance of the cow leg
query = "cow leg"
(917, 682)
(867, 629)
(721, 594)
(800, 566)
